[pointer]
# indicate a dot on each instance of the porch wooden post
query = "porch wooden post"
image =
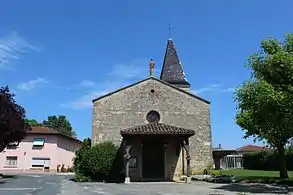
(188, 158)
(126, 158)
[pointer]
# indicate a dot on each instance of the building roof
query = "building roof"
(153, 78)
(251, 148)
(172, 71)
(221, 153)
(157, 129)
(49, 131)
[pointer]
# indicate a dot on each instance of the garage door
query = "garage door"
(40, 162)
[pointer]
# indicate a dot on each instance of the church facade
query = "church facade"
(163, 129)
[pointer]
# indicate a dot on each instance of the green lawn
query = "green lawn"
(260, 176)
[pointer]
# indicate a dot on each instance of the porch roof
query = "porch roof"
(157, 129)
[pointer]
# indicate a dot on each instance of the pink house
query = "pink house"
(43, 149)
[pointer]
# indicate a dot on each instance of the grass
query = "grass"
(258, 176)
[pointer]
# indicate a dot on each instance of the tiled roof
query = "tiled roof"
(157, 129)
(250, 148)
(49, 131)
(172, 71)
(42, 130)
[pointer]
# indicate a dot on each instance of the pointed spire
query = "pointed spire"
(172, 71)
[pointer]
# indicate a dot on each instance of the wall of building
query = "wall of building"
(25, 152)
(129, 108)
(66, 152)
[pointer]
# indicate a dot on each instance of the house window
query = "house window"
(11, 161)
(38, 143)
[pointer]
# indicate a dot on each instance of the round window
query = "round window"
(153, 117)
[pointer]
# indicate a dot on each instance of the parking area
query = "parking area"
(62, 185)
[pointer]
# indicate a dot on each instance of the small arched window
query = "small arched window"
(153, 117)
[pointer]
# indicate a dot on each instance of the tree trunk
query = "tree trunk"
(282, 162)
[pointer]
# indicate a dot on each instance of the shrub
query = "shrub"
(85, 145)
(216, 173)
(196, 172)
(265, 160)
(97, 162)
(81, 178)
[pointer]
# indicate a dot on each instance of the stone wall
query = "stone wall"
(129, 107)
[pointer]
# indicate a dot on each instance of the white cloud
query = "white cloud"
(85, 101)
(129, 70)
(86, 83)
(230, 89)
(12, 47)
(213, 88)
(29, 85)
(121, 75)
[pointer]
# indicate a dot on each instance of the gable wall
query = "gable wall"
(129, 107)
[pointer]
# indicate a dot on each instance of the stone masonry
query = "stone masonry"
(128, 107)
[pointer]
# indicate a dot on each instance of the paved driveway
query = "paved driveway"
(61, 185)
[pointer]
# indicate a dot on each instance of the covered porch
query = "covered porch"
(152, 152)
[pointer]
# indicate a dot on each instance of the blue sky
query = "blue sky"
(57, 55)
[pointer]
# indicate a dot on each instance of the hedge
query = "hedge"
(97, 163)
(265, 160)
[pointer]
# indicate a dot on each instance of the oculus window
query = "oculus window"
(153, 117)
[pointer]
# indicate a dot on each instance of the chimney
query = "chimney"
(152, 67)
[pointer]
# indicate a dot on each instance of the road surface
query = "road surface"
(62, 185)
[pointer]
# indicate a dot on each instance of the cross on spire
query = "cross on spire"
(170, 31)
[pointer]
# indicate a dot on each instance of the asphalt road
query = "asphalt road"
(31, 184)
(61, 185)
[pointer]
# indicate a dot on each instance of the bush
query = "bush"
(86, 145)
(265, 160)
(216, 173)
(96, 163)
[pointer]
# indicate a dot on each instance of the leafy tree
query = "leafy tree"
(264, 102)
(61, 124)
(12, 119)
(85, 146)
(33, 123)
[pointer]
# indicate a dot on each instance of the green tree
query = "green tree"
(264, 102)
(12, 119)
(61, 124)
(85, 146)
(33, 123)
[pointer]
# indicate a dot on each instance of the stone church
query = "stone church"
(163, 128)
